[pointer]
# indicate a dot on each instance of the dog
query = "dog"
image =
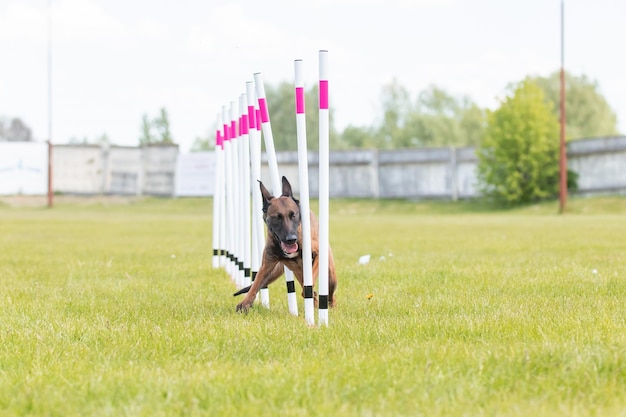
(283, 247)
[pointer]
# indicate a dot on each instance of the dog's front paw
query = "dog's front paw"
(243, 307)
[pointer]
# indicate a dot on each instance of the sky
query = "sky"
(113, 61)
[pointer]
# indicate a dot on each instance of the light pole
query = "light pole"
(563, 153)
(50, 188)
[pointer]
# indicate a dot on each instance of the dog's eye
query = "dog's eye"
(293, 216)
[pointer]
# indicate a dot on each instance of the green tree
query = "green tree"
(396, 108)
(147, 137)
(156, 131)
(162, 126)
(518, 156)
(203, 143)
(103, 140)
(357, 137)
(588, 114)
(436, 119)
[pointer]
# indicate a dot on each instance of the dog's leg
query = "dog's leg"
(316, 270)
(332, 279)
(268, 273)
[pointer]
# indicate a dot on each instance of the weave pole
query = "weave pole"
(324, 185)
(265, 294)
(258, 230)
(235, 208)
(244, 158)
(228, 193)
(222, 205)
(218, 243)
(274, 177)
(305, 217)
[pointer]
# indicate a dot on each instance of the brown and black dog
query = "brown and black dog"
(283, 246)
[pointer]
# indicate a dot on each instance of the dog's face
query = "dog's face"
(282, 217)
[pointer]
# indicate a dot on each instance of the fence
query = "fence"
(443, 173)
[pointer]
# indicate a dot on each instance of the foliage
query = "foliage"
(492, 317)
(518, 157)
(201, 144)
(14, 130)
(357, 137)
(157, 130)
(436, 119)
(102, 140)
(588, 114)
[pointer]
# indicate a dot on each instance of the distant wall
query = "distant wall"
(600, 164)
(447, 173)
(85, 169)
(407, 173)
(428, 173)
(23, 168)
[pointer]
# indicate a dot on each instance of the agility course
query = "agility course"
(238, 242)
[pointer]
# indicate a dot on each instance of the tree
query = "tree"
(146, 137)
(162, 126)
(14, 130)
(103, 140)
(201, 144)
(156, 131)
(518, 156)
(396, 103)
(588, 114)
(357, 137)
(437, 118)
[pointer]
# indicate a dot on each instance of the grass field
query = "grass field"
(111, 308)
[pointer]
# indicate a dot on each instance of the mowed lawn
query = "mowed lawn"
(111, 308)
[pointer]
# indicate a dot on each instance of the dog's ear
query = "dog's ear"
(287, 190)
(267, 197)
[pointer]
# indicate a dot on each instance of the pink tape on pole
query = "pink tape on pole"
(244, 124)
(226, 132)
(257, 112)
(299, 100)
(324, 94)
(251, 117)
(218, 140)
(233, 129)
(265, 116)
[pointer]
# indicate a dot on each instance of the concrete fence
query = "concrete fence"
(426, 173)
(90, 169)
(448, 173)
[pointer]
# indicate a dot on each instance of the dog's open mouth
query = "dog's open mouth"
(289, 250)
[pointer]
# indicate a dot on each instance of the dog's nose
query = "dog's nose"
(291, 239)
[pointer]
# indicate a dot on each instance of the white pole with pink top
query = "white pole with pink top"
(303, 174)
(275, 180)
(218, 243)
(244, 158)
(258, 227)
(324, 185)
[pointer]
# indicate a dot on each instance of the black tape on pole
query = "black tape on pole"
(308, 291)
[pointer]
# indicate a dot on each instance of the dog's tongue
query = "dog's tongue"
(289, 248)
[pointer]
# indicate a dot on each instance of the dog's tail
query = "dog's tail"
(242, 291)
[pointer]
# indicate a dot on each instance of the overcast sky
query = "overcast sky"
(114, 60)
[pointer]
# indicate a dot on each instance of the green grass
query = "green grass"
(114, 309)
